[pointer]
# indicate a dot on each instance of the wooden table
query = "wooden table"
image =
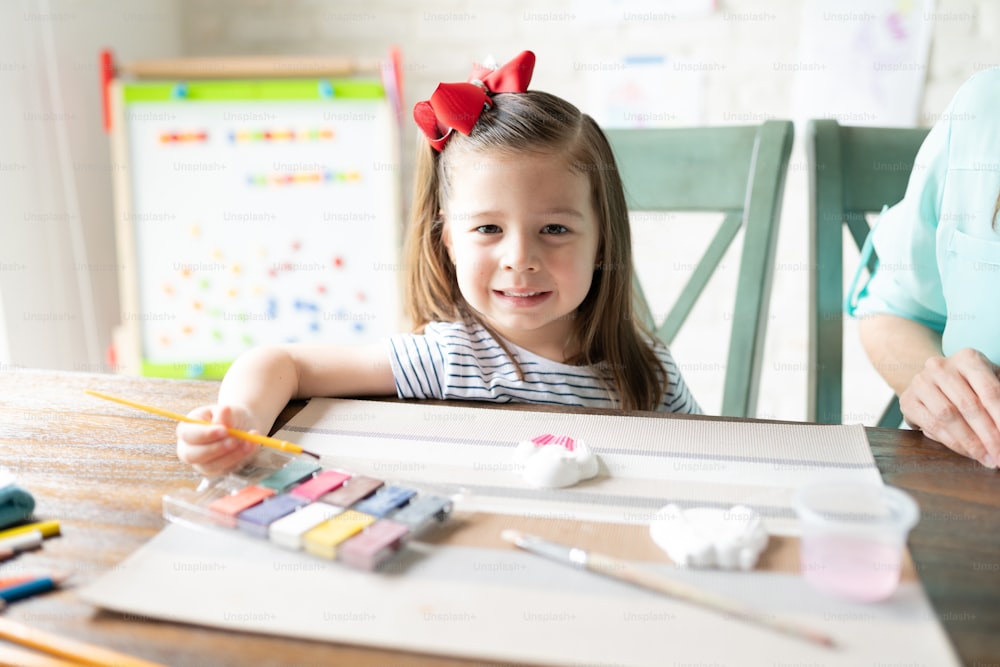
(101, 469)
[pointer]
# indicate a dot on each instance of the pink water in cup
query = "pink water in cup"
(853, 537)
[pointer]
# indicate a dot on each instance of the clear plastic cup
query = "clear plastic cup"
(853, 537)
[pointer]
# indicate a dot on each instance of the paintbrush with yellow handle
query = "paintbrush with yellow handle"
(282, 445)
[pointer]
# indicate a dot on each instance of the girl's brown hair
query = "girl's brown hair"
(610, 335)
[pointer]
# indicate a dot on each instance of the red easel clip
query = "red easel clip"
(107, 68)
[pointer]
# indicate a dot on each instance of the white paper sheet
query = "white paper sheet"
(506, 605)
(646, 462)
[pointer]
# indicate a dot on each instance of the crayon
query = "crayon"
(47, 529)
(22, 542)
(34, 586)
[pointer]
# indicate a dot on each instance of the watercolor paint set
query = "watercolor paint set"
(297, 504)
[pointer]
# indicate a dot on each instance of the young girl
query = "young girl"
(520, 279)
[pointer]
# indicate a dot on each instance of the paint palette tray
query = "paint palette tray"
(296, 504)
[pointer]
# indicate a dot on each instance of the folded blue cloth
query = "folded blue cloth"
(16, 505)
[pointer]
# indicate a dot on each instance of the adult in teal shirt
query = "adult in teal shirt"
(931, 311)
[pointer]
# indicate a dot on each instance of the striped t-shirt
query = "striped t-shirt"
(455, 360)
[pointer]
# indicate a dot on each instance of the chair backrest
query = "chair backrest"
(740, 172)
(852, 171)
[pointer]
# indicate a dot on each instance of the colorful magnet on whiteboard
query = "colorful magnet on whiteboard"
(324, 538)
(289, 530)
(338, 262)
(293, 473)
(352, 491)
(258, 518)
(423, 511)
(385, 500)
(231, 505)
(325, 482)
(272, 308)
(325, 89)
(179, 91)
(248, 340)
(205, 284)
(374, 545)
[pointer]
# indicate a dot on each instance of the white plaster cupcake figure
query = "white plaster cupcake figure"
(552, 461)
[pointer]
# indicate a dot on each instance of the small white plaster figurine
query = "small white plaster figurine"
(710, 537)
(555, 461)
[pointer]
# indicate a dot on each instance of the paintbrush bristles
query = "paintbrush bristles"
(511, 535)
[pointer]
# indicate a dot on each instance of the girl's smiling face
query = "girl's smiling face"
(523, 235)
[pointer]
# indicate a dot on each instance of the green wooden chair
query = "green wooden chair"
(738, 171)
(852, 171)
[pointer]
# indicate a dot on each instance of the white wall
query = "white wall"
(58, 280)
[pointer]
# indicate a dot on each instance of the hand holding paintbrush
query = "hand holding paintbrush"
(257, 438)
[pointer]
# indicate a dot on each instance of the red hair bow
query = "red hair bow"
(457, 106)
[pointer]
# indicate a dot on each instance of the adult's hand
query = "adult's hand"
(956, 401)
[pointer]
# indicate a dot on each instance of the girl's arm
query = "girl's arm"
(259, 385)
(954, 400)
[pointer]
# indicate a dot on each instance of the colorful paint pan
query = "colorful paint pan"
(324, 482)
(353, 490)
(324, 539)
(229, 506)
(293, 473)
(385, 500)
(296, 504)
(374, 545)
(288, 530)
(258, 518)
(423, 511)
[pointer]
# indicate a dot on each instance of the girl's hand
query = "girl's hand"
(210, 449)
(956, 401)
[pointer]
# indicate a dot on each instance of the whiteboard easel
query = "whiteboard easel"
(253, 211)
